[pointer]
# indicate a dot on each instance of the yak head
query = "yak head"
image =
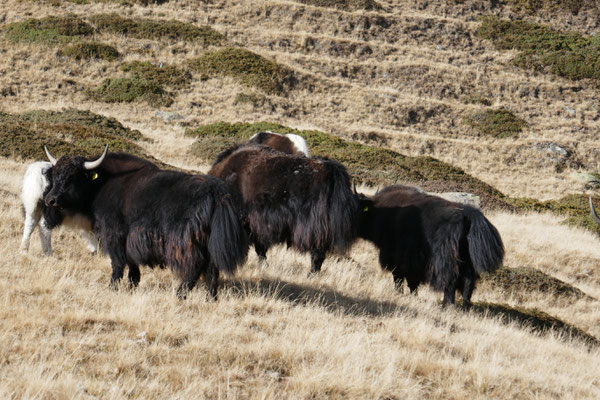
(73, 180)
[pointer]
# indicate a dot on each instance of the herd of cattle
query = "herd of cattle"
(261, 193)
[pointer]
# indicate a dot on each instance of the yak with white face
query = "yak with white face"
(289, 143)
(147, 216)
(36, 183)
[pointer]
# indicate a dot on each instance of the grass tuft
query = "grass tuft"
(367, 164)
(148, 29)
(570, 55)
(344, 4)
(526, 280)
(498, 123)
(91, 50)
(248, 68)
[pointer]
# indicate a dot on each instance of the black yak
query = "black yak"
(147, 216)
(290, 143)
(37, 182)
(424, 238)
(305, 202)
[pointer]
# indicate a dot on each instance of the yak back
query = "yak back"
(305, 201)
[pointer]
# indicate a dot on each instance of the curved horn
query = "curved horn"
(95, 164)
(354, 187)
(596, 217)
(50, 158)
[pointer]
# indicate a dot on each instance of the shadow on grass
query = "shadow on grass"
(324, 297)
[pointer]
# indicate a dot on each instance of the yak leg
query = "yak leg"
(413, 284)
(190, 278)
(316, 257)
(31, 221)
(212, 280)
(398, 279)
(467, 291)
(133, 275)
(449, 293)
(45, 238)
(118, 269)
(261, 252)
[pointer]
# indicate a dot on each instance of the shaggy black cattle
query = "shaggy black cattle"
(290, 143)
(424, 238)
(147, 216)
(305, 202)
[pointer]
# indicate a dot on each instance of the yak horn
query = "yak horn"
(354, 187)
(596, 217)
(95, 164)
(50, 158)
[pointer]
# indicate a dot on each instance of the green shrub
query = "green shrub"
(248, 68)
(88, 50)
(163, 75)
(49, 30)
(148, 29)
(499, 123)
(570, 55)
(126, 90)
(367, 164)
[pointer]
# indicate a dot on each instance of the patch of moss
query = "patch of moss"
(149, 29)
(537, 320)
(344, 4)
(89, 50)
(527, 280)
(575, 207)
(127, 90)
(573, 6)
(248, 68)
(367, 164)
(65, 132)
(499, 123)
(167, 75)
(570, 55)
(49, 30)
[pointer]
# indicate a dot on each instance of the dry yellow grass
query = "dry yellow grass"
(275, 332)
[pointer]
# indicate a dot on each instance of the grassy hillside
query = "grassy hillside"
(494, 98)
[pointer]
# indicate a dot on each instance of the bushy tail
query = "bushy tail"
(485, 244)
(343, 208)
(228, 241)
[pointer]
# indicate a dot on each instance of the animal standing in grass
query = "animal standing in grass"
(148, 216)
(424, 238)
(305, 202)
(36, 183)
(289, 143)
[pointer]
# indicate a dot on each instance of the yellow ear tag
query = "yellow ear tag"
(366, 209)
(95, 176)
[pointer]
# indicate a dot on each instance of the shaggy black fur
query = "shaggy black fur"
(305, 202)
(275, 141)
(147, 216)
(424, 238)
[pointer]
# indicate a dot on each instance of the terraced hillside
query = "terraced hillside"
(495, 98)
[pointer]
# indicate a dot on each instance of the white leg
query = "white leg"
(31, 221)
(90, 241)
(45, 238)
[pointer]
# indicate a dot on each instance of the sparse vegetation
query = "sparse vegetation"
(163, 75)
(570, 55)
(66, 132)
(498, 123)
(89, 50)
(367, 164)
(149, 29)
(344, 4)
(52, 30)
(574, 206)
(126, 90)
(248, 68)
(573, 6)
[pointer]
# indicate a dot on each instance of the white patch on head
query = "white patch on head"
(271, 132)
(299, 143)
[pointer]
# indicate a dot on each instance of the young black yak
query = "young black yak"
(305, 202)
(147, 216)
(424, 238)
